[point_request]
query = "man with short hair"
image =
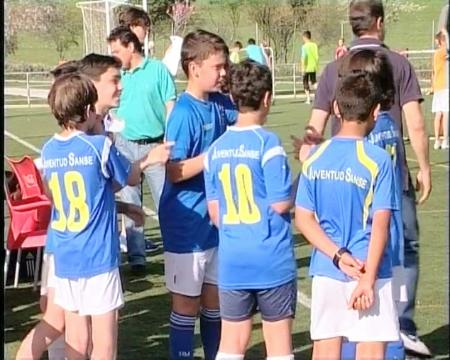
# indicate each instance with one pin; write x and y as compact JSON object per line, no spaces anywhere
{"x":255,"y":52}
{"x":147,"y":98}
{"x":367,"y":22}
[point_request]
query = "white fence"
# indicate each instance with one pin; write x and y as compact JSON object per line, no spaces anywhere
{"x":287,"y":80}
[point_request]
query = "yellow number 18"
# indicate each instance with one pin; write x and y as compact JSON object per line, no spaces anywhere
{"x":247,"y":211}
{"x":77,"y":202}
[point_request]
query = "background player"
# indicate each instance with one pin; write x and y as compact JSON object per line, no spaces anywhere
{"x":248,"y":182}
{"x":343,"y":207}
{"x":199,"y":117}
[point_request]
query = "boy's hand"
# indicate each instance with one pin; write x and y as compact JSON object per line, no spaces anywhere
{"x":363,"y":296}
{"x":159,"y":154}
{"x":351,"y":266}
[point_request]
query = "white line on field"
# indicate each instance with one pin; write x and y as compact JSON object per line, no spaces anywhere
{"x":445,"y":166}
{"x":432,"y":211}
{"x":303,"y":299}
{"x":22,"y":142}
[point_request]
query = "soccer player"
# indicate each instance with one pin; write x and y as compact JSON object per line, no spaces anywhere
{"x":386,"y":135}
{"x":83,"y":228}
{"x":344,"y":201}
{"x":147,"y":97}
{"x":248,"y":188}
{"x":200,"y":116}
{"x":309,"y":63}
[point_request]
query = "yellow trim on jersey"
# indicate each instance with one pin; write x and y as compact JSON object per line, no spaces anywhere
{"x":314,"y":157}
{"x":372,"y":166}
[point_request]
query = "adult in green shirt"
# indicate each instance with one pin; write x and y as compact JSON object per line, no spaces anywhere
{"x":148,"y":95}
{"x":310,"y":63}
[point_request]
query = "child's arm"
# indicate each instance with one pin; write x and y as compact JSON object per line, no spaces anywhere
{"x":307,"y":224}
{"x":185,"y":169}
{"x":157,"y":155}
{"x":363,"y":296}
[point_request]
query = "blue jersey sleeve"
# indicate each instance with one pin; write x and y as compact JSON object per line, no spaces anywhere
{"x":179,"y":130}
{"x":304,"y":197}
{"x":114,"y":165}
{"x":277,"y":175}
{"x":210,"y":184}
{"x":230,"y":111}
{"x":384,"y":188}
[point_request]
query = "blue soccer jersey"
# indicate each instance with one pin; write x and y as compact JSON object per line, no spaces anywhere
{"x":79,"y":171}
{"x":344,"y":181}
{"x":387,"y":136}
{"x":246,"y":170}
{"x":183,"y":216}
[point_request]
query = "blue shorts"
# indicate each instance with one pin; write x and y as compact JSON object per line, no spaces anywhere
{"x":275,"y":304}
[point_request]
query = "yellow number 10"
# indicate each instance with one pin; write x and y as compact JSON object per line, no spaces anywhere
{"x":77,"y":202}
{"x":247,"y":212}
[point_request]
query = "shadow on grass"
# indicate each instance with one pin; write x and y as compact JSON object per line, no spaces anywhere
{"x":438,"y":340}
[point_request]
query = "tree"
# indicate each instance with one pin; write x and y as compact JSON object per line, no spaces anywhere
{"x":233,"y":9}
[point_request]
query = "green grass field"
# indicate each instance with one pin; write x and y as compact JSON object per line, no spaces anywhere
{"x":144,"y":323}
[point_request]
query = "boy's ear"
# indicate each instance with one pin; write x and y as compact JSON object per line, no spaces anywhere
{"x":192,"y":68}
{"x":376,"y":111}
{"x":267,"y":99}
{"x":336,"y":109}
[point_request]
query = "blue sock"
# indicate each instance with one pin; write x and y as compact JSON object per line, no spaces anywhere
{"x":210,"y":332}
{"x":181,"y":336}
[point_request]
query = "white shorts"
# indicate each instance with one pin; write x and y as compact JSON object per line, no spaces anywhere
{"x":330,"y":316}
{"x":399,"y":284}
{"x":185,"y":274}
{"x":95,"y":295}
{"x":440,"y":101}
{"x":48,"y":273}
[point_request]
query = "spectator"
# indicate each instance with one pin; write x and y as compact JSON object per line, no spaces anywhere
{"x":309,"y":63}
{"x":341,"y":49}
{"x":367,"y":22}
{"x":255,"y":52}
{"x":237,"y":53}
{"x":146,"y":100}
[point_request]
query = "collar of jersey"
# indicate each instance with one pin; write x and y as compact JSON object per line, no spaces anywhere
{"x":141,"y":65}
{"x":244,"y":128}
{"x":366,"y":43}
{"x":65,"y":138}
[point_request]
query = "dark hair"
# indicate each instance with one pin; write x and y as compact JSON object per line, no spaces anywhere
{"x":69,"y":97}
{"x":249,"y":82}
{"x":238,"y":44}
{"x":363,"y":15}
{"x":375,"y":63}
{"x":67,"y":67}
{"x":357,"y":94}
{"x":251,"y":41}
{"x":133,"y":16}
{"x":125,"y":36}
{"x":307,"y":34}
{"x":94,"y":65}
{"x":199,"y":45}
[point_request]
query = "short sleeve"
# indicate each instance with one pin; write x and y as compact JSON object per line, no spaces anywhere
{"x":325,"y":92}
{"x":277,"y":174}
{"x":167,"y":84}
{"x":304,"y":197}
{"x":231,"y":112}
{"x":384,"y":189}
{"x":178,"y":130}
{"x":208,"y":174}
{"x":409,"y":89}
{"x":114,"y":165}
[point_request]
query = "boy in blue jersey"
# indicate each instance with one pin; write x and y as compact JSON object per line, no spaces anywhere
{"x":79,"y":171}
{"x":386,"y":135}
{"x":200,"y":116}
{"x":248,"y":188}
{"x":344,"y":201}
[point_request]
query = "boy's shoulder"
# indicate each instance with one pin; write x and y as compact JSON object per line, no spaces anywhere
{"x":374,"y":152}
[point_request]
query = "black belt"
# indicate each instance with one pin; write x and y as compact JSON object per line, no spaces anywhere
{"x":146,"y":141}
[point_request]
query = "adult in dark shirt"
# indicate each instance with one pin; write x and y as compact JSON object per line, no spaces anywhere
{"x":367,"y":22}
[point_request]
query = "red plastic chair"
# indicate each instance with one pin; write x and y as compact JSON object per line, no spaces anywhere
{"x":29,"y":210}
